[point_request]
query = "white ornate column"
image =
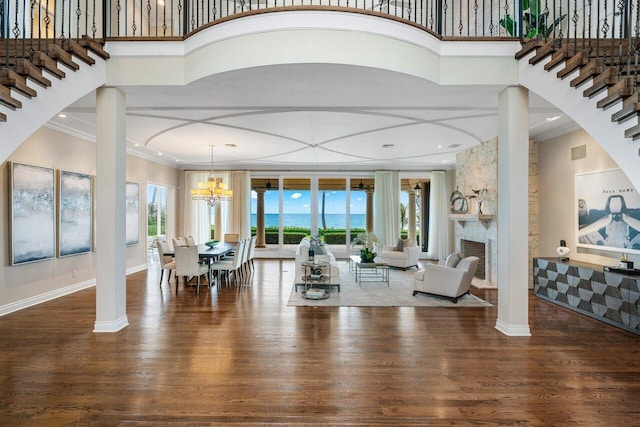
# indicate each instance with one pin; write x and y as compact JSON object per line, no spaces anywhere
{"x":111,"y":172}
{"x":513,"y":212}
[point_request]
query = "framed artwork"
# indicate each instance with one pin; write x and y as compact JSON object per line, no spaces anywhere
{"x":75,"y":213}
{"x":607,"y":212}
{"x":132,"y":201}
{"x":33,"y":213}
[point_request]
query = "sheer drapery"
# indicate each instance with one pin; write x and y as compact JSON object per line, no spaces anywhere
{"x":197,"y":221}
{"x":386,"y":216}
{"x":438,"y":217}
{"x":238,"y":219}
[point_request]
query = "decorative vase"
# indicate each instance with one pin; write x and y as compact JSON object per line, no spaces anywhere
{"x":366,"y":255}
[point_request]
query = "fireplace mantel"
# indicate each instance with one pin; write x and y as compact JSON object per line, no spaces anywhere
{"x":463,"y":218}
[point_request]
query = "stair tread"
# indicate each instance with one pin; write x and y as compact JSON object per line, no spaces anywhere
{"x":560,"y":55}
{"x":7,"y":100}
{"x":11,"y":79}
{"x":633,"y":132}
{"x":619,"y":91}
{"x":542,"y":52}
{"x":28,"y":69}
{"x":94,"y":46}
{"x":576,"y":61}
{"x":593,"y":68}
{"x":529,"y":46}
{"x":77,"y":50}
{"x":605,"y":79}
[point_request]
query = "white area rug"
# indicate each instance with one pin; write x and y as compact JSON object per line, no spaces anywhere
{"x":398,"y":294}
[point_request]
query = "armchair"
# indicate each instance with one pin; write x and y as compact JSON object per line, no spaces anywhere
{"x":406,"y":258}
{"x":446,"y":281}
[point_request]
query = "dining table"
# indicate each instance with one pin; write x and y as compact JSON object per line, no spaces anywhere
{"x":213,"y":252}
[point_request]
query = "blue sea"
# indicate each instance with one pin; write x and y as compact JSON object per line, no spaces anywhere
{"x":304,"y":220}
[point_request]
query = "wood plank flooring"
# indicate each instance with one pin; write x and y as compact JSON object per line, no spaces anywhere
{"x":244,"y":357}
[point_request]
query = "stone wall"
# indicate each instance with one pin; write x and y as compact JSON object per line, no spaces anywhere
{"x":478,"y":168}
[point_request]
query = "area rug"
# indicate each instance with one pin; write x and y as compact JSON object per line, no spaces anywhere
{"x":399,"y":293}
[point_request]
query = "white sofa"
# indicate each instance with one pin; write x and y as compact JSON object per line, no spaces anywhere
{"x":302,"y":254}
{"x":406,"y":258}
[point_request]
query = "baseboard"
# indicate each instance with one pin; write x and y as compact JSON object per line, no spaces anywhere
{"x":57,"y":293}
{"x":47,"y":296}
{"x":111,"y":325}
{"x":136,"y":268}
{"x":513,"y":330}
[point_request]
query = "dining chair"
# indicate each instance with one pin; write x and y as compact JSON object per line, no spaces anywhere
{"x":178,"y":241}
{"x":166,"y":262}
{"x":187,"y":265}
{"x":230,"y":266}
{"x":188,"y":241}
{"x":252,"y":252}
{"x":244,"y":262}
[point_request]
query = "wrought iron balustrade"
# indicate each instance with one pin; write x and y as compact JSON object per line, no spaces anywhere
{"x":606,"y":29}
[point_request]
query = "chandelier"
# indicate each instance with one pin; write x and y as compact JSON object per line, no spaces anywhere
{"x":213,"y":189}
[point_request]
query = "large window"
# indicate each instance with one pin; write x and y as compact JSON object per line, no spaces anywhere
{"x":332,"y":210}
{"x":156,"y":212}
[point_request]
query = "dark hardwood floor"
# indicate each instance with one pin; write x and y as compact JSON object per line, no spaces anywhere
{"x":229,"y":357}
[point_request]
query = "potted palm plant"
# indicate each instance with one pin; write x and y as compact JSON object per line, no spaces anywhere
{"x":535,"y":21}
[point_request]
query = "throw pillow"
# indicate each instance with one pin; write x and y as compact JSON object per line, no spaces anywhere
{"x":399,"y":245}
{"x":452,"y":260}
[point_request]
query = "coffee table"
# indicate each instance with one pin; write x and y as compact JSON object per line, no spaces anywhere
{"x":368,"y":272}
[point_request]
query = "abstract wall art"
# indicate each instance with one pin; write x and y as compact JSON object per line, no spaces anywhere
{"x":75,"y":213}
{"x":33,"y":213}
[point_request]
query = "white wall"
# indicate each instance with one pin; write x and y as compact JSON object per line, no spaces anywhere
{"x":27,"y":284}
{"x":557,"y":194}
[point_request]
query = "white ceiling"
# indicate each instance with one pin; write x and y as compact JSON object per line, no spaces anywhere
{"x":310,"y":116}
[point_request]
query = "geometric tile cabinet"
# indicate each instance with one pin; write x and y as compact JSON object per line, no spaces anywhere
{"x":588,"y":289}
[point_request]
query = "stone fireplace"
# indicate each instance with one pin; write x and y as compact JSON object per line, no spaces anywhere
{"x":478,"y":238}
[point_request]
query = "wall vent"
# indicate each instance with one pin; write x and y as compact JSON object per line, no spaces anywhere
{"x":579,"y":152}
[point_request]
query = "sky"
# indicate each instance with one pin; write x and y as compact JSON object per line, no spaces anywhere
{"x":298,"y":202}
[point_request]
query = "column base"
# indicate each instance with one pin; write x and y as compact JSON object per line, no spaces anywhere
{"x":111,"y":325}
{"x":513,"y":330}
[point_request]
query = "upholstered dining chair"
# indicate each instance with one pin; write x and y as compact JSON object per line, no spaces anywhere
{"x":166,"y":262}
{"x":178,"y":241}
{"x":252,"y":253}
{"x":188,"y":241}
{"x":231,"y":265}
{"x":187,"y":265}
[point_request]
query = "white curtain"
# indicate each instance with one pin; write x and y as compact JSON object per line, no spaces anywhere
{"x":197,"y":221}
{"x":386,"y":201}
{"x":438,"y":217}
{"x":238,"y":218}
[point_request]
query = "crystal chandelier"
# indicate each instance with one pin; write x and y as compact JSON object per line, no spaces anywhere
{"x":213,"y":189}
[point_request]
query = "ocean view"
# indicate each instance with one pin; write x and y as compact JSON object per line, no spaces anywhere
{"x":304,"y":220}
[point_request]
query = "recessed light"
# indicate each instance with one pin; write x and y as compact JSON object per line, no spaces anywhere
{"x":62,"y":116}
{"x":439,"y":146}
{"x":445,"y":161}
{"x":550,"y":119}
{"x":177,"y":160}
{"x":159,"y":154}
{"x":136,"y":145}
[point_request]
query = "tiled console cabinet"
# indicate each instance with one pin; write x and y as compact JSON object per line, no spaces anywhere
{"x":588,"y":289}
